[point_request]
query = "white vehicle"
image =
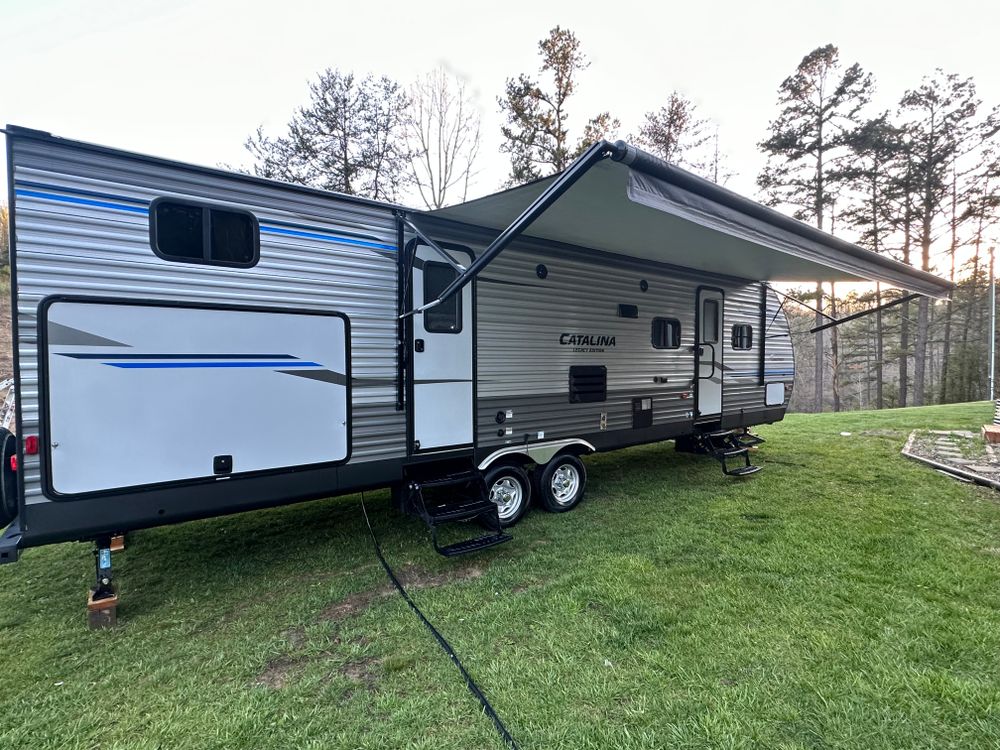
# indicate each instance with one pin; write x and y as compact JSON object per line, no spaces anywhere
{"x":479,"y":349}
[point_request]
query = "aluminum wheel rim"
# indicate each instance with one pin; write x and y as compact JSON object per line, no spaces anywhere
{"x":507,"y":494}
{"x":565,"y":483}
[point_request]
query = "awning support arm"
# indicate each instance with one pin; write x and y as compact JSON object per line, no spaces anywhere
{"x":595,"y":153}
{"x":459,"y":268}
{"x":863,"y":313}
{"x":790,"y":298}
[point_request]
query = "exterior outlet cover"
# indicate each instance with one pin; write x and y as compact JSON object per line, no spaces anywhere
{"x":541,"y":435}
{"x":510,"y":430}
{"x":510,"y":414}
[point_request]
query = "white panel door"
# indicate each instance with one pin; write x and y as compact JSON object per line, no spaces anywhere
{"x":442,"y":355}
{"x":708,"y":352}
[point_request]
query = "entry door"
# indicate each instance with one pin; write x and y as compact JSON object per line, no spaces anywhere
{"x":708,"y":353}
{"x":442,"y":354}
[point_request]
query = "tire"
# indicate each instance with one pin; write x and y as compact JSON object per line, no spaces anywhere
{"x":8,"y":478}
{"x":510,"y":488}
{"x":562,"y":483}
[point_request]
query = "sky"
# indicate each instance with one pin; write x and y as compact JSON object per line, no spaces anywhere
{"x":190,"y":80}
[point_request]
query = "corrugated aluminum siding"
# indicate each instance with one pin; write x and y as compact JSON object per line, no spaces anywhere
{"x":82,"y":228}
{"x":522,"y":366}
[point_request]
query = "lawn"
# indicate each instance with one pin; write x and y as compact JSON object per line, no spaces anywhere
{"x":844,"y":597}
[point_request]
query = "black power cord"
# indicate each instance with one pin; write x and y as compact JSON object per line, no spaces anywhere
{"x":445,"y":646}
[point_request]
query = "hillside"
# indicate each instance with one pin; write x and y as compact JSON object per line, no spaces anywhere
{"x":844,"y":597}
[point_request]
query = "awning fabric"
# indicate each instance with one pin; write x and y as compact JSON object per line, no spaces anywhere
{"x":642,"y":207}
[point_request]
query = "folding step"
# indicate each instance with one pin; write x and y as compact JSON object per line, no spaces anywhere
{"x":459,"y":511}
{"x":471,"y":503}
{"x":729,"y":444}
{"x":472,"y":545}
{"x":749,"y":440}
{"x":447,"y":480}
{"x":723,"y":453}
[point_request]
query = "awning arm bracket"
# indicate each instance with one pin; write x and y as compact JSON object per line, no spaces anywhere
{"x":595,"y":153}
{"x":863,"y":313}
{"x":459,"y":268}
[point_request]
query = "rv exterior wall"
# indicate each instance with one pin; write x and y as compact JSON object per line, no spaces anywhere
{"x":83,"y":229}
{"x":533,"y":326}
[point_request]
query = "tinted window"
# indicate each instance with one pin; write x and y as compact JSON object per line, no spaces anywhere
{"x":666,"y":333}
{"x":743,"y":336}
{"x":710,"y":321}
{"x":446,"y":317}
{"x":180,"y":230}
{"x":192,"y":233}
{"x":232,"y":237}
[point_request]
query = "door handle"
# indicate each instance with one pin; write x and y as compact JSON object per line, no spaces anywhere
{"x":701,"y":352}
{"x":418,"y":345}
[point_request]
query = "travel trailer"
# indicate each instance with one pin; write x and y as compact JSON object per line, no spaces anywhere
{"x":190,"y":342}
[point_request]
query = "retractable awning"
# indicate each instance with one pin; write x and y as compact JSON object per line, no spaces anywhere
{"x":621,"y":200}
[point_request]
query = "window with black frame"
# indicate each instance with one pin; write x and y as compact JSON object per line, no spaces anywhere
{"x":187,"y":232}
{"x":446,"y":317}
{"x":742,"y":336}
{"x":666,"y":333}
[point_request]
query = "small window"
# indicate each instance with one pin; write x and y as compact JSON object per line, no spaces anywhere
{"x":742,"y":336}
{"x":628,"y":311}
{"x":446,"y":317}
{"x":710,"y":321}
{"x":192,"y":233}
{"x":666,"y":333}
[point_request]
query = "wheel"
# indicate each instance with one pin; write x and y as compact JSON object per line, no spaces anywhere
{"x":561,"y":483}
{"x":509,"y":488}
{"x":8,"y":478}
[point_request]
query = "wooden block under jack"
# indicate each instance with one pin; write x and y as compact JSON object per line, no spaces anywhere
{"x":991,"y":433}
{"x":117,"y":543}
{"x":102,"y":613}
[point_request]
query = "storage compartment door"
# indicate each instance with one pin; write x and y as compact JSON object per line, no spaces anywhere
{"x":147,"y":394}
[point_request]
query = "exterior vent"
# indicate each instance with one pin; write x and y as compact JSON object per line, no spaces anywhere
{"x":588,"y":384}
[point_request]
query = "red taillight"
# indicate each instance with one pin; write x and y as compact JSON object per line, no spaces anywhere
{"x":13,"y":462}
{"x":31,"y":445}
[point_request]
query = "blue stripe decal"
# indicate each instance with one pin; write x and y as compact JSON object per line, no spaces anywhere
{"x":82,"y":201}
{"x":264,"y":228}
{"x":85,"y":193}
{"x":174,"y":365}
{"x":131,"y":355}
{"x":327,"y":237}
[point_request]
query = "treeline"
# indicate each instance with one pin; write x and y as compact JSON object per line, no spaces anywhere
{"x":918,"y":182}
{"x":376,"y":137}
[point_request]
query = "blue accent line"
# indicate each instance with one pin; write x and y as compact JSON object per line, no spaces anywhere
{"x":78,"y":191}
{"x":174,"y":365}
{"x":327,"y":237}
{"x":131,"y":355}
{"x":144,"y":210}
{"x":81,"y":201}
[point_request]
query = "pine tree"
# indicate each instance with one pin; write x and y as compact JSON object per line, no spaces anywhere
{"x":875,"y":150}
{"x":536,"y":129}
{"x":940,"y":113}
{"x":819,"y":102}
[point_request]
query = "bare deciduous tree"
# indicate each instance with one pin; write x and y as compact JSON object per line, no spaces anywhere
{"x":349,"y":138}
{"x":443,"y":132}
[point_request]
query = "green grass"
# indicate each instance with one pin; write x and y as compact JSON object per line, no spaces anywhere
{"x":844,"y":597}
